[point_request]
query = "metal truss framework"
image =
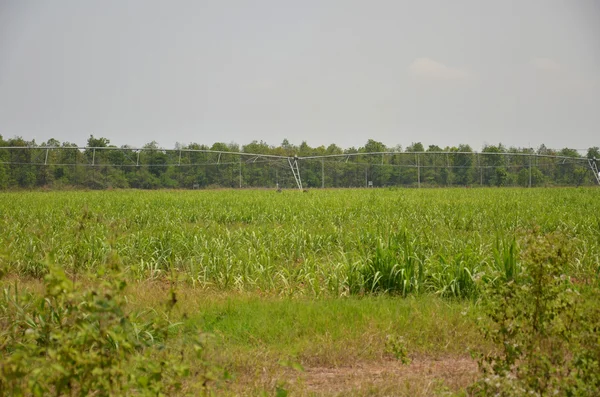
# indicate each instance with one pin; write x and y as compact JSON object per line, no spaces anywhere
{"x":131,"y":157}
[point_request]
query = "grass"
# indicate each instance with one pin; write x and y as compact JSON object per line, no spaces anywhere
{"x":266,"y":341}
{"x":325,"y":331}
{"x":331,"y":243}
{"x":342,"y":282}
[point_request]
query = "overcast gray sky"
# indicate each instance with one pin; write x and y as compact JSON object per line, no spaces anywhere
{"x":442,"y":72}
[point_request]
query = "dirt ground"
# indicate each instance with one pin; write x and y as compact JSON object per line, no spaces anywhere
{"x":422,"y":377}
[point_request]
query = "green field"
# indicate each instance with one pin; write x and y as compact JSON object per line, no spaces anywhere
{"x":317,"y":243}
{"x":343,"y":282}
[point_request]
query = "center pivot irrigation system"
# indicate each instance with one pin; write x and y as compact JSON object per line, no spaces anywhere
{"x":421,"y":163}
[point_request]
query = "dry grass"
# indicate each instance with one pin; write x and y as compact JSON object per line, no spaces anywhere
{"x":424,"y":376}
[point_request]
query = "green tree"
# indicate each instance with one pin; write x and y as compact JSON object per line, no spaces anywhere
{"x":333,"y":149}
{"x":415,"y":147}
{"x":492,"y":159}
{"x":21,"y":171}
{"x":501,"y":176}
{"x":288,"y":148}
{"x":3,"y":169}
{"x":3,"y":176}
{"x":566,"y":171}
{"x":537,"y":178}
{"x":373,"y":146}
{"x":94,"y":142}
{"x":462,"y":163}
{"x":593,"y":153}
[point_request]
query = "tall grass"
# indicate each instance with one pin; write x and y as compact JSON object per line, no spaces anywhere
{"x":330,"y":242}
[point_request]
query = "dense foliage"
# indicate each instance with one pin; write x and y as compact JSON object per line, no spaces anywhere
{"x":27,"y":165}
{"x":80,"y":340}
{"x":544,"y":324}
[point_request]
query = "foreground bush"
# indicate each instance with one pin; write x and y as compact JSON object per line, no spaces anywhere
{"x":81,"y":341}
{"x":545,"y":327}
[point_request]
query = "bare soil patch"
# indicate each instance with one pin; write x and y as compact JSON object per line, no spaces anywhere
{"x":422,"y":377}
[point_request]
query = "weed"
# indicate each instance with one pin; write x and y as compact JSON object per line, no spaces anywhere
{"x":82,"y":341}
{"x":396,"y":345}
{"x":536,"y":320}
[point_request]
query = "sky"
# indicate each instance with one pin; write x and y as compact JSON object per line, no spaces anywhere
{"x":477,"y":72}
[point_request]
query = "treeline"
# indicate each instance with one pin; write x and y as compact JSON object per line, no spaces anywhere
{"x":30,"y":165}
